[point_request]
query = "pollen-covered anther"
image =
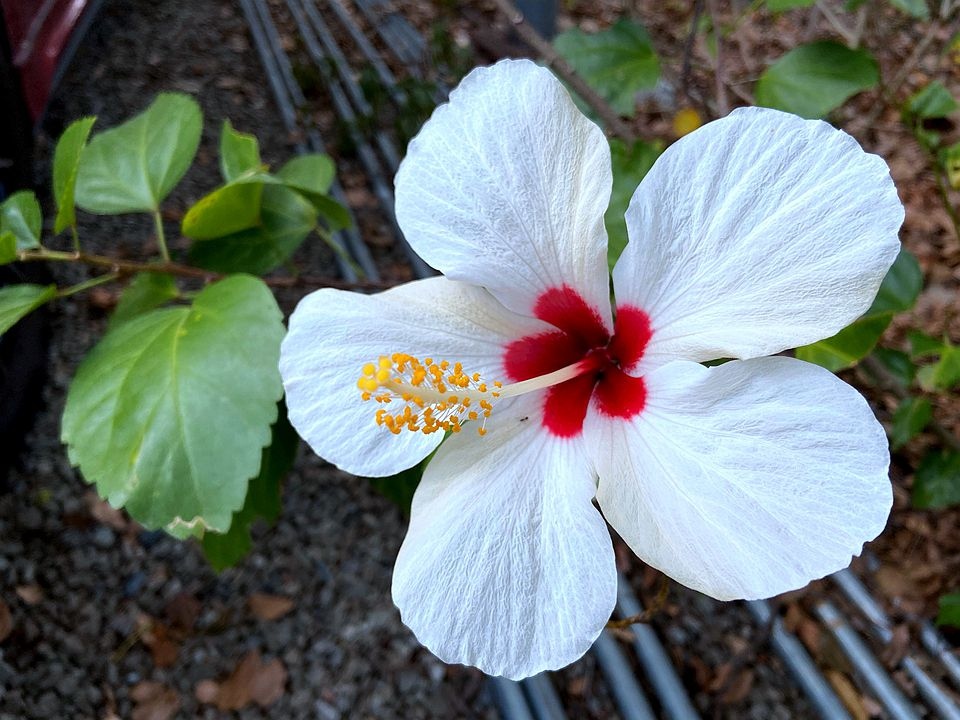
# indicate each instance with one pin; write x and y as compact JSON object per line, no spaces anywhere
{"x":435,"y":395}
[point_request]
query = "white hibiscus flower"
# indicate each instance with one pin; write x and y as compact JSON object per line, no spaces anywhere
{"x":756,"y":233}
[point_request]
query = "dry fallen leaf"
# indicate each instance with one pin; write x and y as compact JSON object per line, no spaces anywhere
{"x":6,"y":621}
{"x":165,"y":653}
{"x":738,"y":688}
{"x":269,"y":683}
{"x":154,"y":701}
{"x":269,"y":607}
{"x":252,"y":680}
{"x":30,"y":594}
{"x":183,"y":611}
{"x":848,"y":694}
{"x":206,"y":692}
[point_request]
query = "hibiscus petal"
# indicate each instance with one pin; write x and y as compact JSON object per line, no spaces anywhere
{"x":744,"y":480}
{"x":506,"y":186}
{"x":507,"y":564}
{"x":334,"y":333}
{"x":757,"y":233}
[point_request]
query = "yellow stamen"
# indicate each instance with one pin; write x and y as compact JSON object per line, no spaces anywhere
{"x":424,"y":389}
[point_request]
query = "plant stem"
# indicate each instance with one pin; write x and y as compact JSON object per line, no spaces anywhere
{"x":340,"y":250}
{"x":87,"y":284}
{"x":128,"y":267}
{"x":76,"y":238}
{"x":566,"y":71}
{"x":161,"y":238}
{"x":647,"y":615}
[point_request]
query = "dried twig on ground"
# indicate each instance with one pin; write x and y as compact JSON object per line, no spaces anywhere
{"x":559,"y":65}
{"x":720,"y":85}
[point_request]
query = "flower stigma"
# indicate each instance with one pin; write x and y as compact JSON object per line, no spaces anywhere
{"x":440,"y":395}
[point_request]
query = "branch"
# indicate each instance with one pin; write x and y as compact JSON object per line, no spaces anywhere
{"x":128,"y":267}
{"x":566,"y":71}
{"x":647,"y":615}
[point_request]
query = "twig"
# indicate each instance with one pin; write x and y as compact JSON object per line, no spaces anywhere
{"x":811,"y":28}
{"x":888,"y":382}
{"x":688,"y":49}
{"x":849,"y":36}
{"x":918,"y":52}
{"x":723,"y":104}
{"x":861,"y":24}
{"x":128,"y":267}
{"x":556,"y":61}
{"x":891,"y":90}
{"x":656,"y":606}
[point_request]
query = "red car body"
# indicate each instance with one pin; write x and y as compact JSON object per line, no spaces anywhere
{"x":39,"y":34}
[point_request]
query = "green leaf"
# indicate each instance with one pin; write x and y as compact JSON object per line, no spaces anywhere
{"x":848,"y":346}
{"x":66,"y":161}
{"x":617,"y":63}
{"x":134,"y":166}
{"x":949,"y":158}
{"x":224,"y":550}
{"x":239,"y":153}
{"x":286,"y":220}
{"x":937,"y":482}
{"x":943,"y":374}
{"x":334,"y":215}
{"x":784,"y":5}
{"x":21,"y":217}
{"x":922,"y":345}
{"x":169,"y":413}
{"x":312,"y":174}
{"x":630,"y":164}
{"x":933,"y":100}
{"x":910,"y":418}
{"x":812,"y":80}
{"x":949,"y":613}
{"x":900,"y":287}
{"x":898,"y":292}
{"x":897,"y":364}
{"x":147,"y":292}
{"x":8,"y":248}
{"x":227,"y":210}
{"x":914,"y":8}
{"x":17,"y":301}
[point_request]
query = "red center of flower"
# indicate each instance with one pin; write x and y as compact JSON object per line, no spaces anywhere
{"x":581,"y":335}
